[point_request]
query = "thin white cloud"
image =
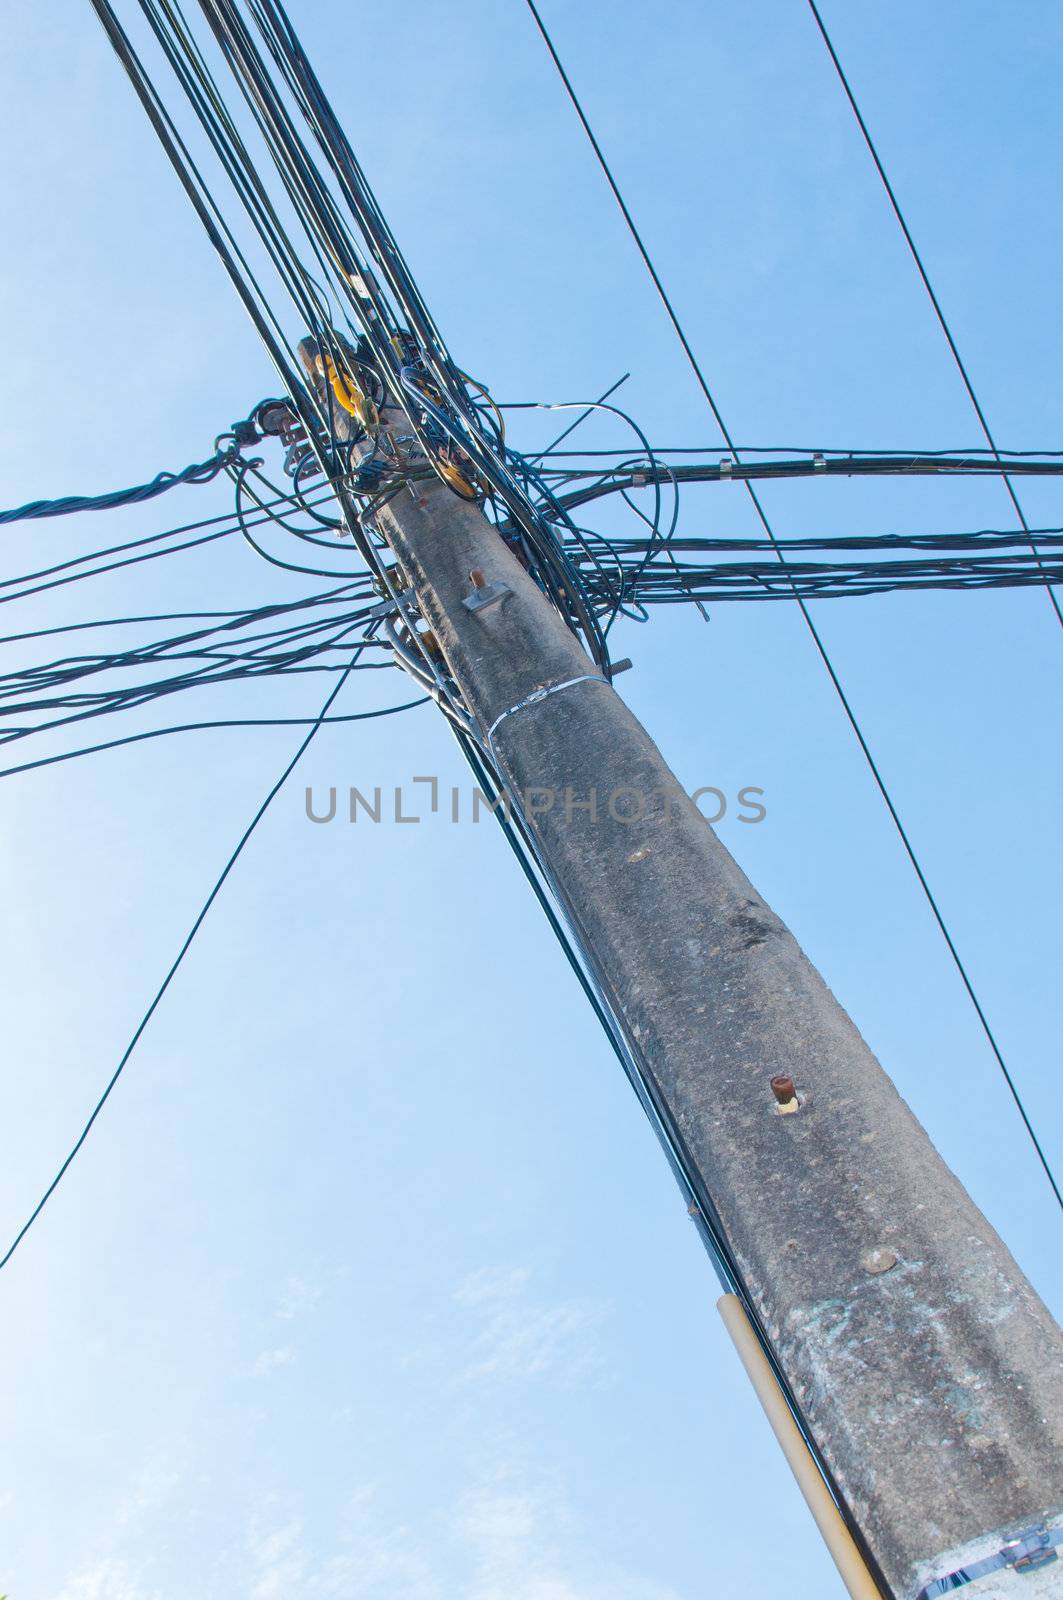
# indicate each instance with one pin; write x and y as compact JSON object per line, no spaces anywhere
{"x":503,"y":1540}
{"x":491,"y":1284}
{"x":386,"y":1567}
{"x":270,"y":1360}
{"x":152,"y":1487}
{"x":298,"y":1298}
{"x":279,"y":1562}
{"x":521,"y":1544}
{"x":376,"y":1562}
{"x":107,"y":1580}
{"x":522,"y":1337}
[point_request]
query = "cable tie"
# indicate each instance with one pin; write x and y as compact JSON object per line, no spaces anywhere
{"x":536,"y":695}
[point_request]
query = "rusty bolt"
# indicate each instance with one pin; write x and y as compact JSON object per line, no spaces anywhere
{"x":782,"y":1087}
{"x":478,"y":579}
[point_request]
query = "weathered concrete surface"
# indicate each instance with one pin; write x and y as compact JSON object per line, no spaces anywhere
{"x":934,"y":1388}
{"x":1038,"y":1583}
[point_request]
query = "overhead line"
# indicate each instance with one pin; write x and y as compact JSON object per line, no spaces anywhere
{"x":198,"y":727}
{"x":198,"y":472}
{"x":584,"y":414}
{"x":175,"y":964}
{"x":813,"y":631}
{"x":928,"y":286}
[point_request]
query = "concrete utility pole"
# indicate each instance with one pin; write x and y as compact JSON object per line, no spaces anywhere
{"x":929,"y":1372}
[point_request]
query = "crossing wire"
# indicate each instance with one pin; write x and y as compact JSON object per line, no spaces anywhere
{"x":171,"y":973}
{"x":480,"y":448}
{"x":814,"y":633}
{"x":198,"y":472}
{"x":928,"y":286}
{"x":200,"y":727}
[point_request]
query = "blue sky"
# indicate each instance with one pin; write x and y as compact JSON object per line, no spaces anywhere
{"x":372,"y":1282}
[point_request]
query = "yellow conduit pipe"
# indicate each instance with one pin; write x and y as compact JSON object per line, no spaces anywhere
{"x":839,"y":1541}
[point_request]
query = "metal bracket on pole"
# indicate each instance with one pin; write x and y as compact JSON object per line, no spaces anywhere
{"x":1037,"y":1547}
{"x":484,"y":594}
{"x":490,"y":595}
{"x":389,"y":608}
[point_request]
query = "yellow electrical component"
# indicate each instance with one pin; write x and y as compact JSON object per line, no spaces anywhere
{"x":454,"y":478}
{"x":452,"y":475}
{"x":350,"y":396}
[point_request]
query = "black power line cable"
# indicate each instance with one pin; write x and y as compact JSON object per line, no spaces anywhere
{"x":443,"y":405}
{"x":429,"y":378}
{"x":175,"y":964}
{"x":927,"y":285}
{"x":199,"y":727}
{"x":795,"y":449}
{"x":584,"y":414}
{"x":813,"y":630}
{"x":199,"y":472}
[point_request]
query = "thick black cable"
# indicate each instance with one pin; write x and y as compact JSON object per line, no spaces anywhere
{"x":734,"y":469}
{"x":294,"y":169}
{"x":200,"y":472}
{"x":224,"y":670}
{"x":198,"y":727}
{"x":227,"y":521}
{"x":792,"y":449}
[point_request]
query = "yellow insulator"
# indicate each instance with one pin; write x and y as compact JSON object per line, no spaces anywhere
{"x":455,"y":478}
{"x":351,"y":397}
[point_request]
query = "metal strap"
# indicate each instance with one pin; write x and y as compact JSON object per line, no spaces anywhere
{"x":1032,"y":1549}
{"x":542,"y":694}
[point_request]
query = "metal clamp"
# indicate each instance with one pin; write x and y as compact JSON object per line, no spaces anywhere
{"x":389,"y":607}
{"x":490,"y":595}
{"x":1029,"y":1551}
{"x":484,"y":594}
